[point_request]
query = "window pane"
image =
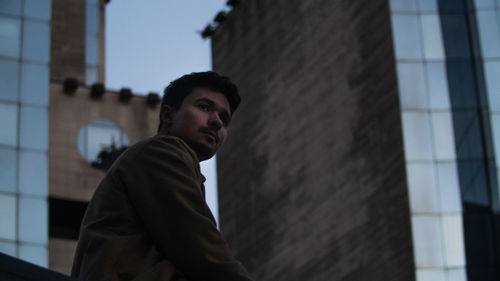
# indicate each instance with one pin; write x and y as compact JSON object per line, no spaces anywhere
{"x":33,"y":173}
{"x":92,"y":19}
{"x":453,"y":240}
{"x":35,"y":84}
{"x":433,"y":40}
{"x":8,"y":167}
{"x":422,"y":188}
{"x":9,"y":78}
{"x":428,"y":5}
{"x":33,"y":220}
{"x":488,"y":32}
{"x":36,"y":41}
{"x":495,"y":124}
{"x":34,"y":254}
{"x":403,"y":5}
{"x":10,"y":30}
{"x":492,"y":69}
{"x":8,"y":124}
{"x":38,"y":9}
{"x":484,"y":4}
{"x":449,"y":188}
{"x":91,"y":50}
{"x":8,"y":248}
{"x":34,"y":127}
{"x":406,"y":37}
{"x":428,"y":241}
{"x":431,"y":274}
{"x":456,"y":274}
{"x":8,"y":216}
{"x":444,"y":138}
{"x":455,"y":33}
{"x":97,"y":135}
{"x":417,"y":136}
{"x":412,"y":87}
{"x":11,"y":7}
{"x":90,"y":75}
{"x":438,"y":85}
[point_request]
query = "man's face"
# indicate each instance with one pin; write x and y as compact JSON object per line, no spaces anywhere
{"x":202,"y":121}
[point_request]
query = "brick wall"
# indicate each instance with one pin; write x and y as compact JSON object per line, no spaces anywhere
{"x":312,"y":182}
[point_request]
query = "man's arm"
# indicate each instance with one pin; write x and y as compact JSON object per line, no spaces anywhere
{"x":164,"y":188}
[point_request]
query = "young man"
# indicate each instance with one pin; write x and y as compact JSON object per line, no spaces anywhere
{"x":148,"y":219}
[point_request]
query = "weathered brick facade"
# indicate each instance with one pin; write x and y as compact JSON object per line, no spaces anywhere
{"x":312,"y":182}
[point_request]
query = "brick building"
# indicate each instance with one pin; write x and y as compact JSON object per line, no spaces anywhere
{"x":367,"y":143}
{"x":58,"y":123}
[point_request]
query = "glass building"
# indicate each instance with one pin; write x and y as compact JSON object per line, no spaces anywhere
{"x":448,"y":65}
{"x":24,"y":100}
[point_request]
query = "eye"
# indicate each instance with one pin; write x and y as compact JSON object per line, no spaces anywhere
{"x":203,"y":107}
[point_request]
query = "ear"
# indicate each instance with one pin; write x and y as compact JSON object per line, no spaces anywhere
{"x":167,"y":115}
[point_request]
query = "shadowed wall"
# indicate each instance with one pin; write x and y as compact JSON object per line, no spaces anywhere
{"x":312,"y":182}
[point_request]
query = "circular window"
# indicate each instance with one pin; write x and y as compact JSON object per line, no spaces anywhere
{"x":101,"y":141}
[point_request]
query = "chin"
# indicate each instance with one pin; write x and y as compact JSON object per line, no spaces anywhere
{"x":203,"y":151}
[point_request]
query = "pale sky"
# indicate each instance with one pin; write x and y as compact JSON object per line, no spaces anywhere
{"x":152,"y":42}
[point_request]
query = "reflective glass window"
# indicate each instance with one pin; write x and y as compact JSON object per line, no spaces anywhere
{"x":34,"y":254}
{"x":403,"y":5}
{"x":11,"y":7}
{"x":407,"y":37}
{"x":474,"y":189}
{"x":99,"y":135}
{"x":91,"y":50}
{"x":456,"y":274}
{"x":38,"y":9}
{"x":489,"y":34}
{"x":484,"y":3}
{"x":34,"y":127}
{"x":8,"y":124}
{"x":449,"y":188}
{"x":492,"y":69}
{"x":9,"y":78}
{"x":431,"y":274}
{"x":35,"y":84}
{"x":433,"y":40}
{"x":453,"y":240}
{"x":444,"y":138}
{"x":495,"y":124}
{"x":455,"y":34}
{"x":417,"y":136}
{"x":90,"y":75}
{"x":422,"y":188}
{"x":8,"y":216}
{"x":33,"y":220}
{"x":468,"y":134}
{"x":461,"y":84}
{"x":437,"y":81}
{"x":8,"y":248}
{"x":36,"y":41}
{"x":10,"y":35}
{"x":412,"y":88}
{"x":428,"y":5}
{"x":8,"y":168}
{"x":427,"y":241}
{"x":92,"y":19}
{"x":33,"y":173}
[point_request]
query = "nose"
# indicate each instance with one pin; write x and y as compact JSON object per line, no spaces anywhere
{"x":214,"y":121}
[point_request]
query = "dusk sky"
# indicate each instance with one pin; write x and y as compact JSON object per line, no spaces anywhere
{"x":152,"y":42}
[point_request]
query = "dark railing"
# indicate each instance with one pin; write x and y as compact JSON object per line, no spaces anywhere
{"x":12,"y":269}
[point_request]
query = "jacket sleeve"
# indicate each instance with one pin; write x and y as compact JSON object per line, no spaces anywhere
{"x":163,"y":184}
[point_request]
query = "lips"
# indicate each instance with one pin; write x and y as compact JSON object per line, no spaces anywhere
{"x":211,"y":133}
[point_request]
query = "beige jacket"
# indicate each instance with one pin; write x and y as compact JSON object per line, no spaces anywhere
{"x":148,"y":220}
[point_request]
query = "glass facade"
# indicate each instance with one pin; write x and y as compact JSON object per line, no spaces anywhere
{"x":92,"y":42}
{"x":24,"y":98}
{"x":448,"y":63}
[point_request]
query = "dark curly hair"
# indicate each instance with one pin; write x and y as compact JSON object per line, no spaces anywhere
{"x":178,"y":89}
